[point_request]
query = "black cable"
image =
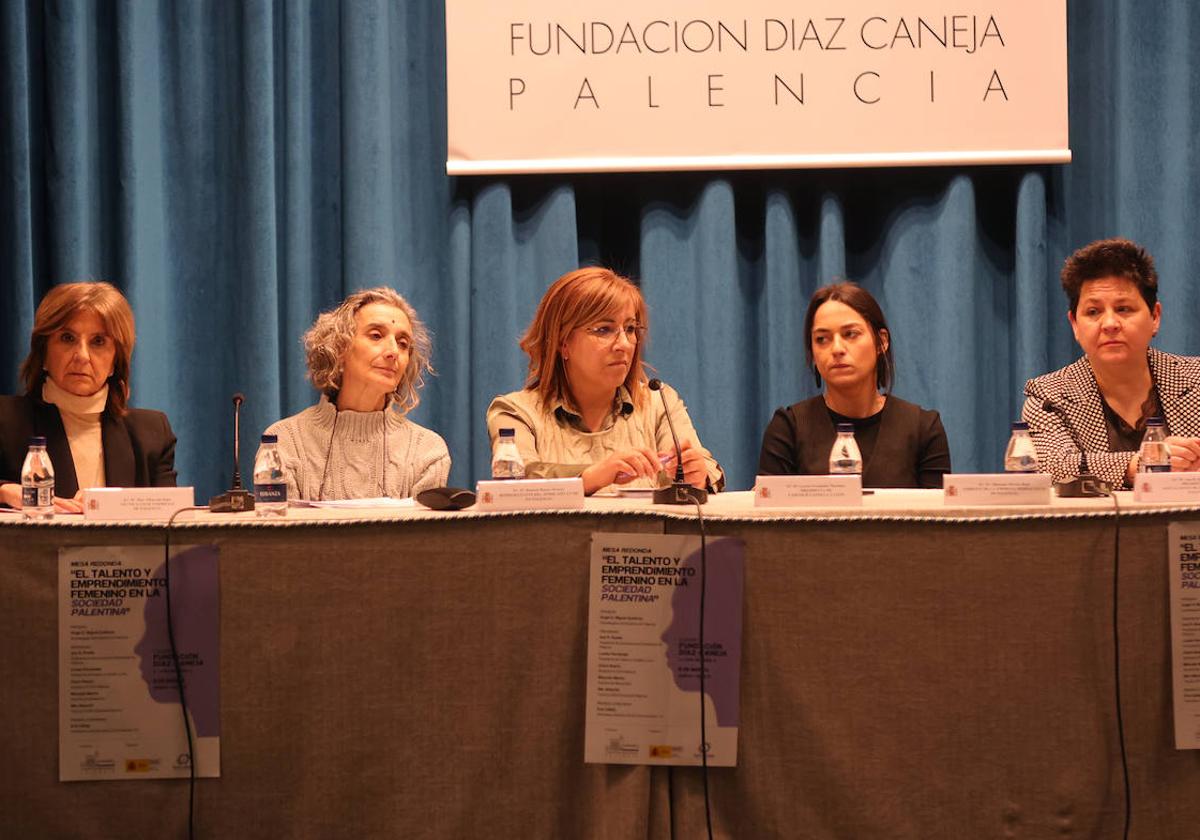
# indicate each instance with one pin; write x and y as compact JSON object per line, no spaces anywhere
{"x":385,"y":494}
{"x":671,"y":800}
{"x":328,"y":452}
{"x":703,"y":726}
{"x":187,"y":726}
{"x":1116,"y":629}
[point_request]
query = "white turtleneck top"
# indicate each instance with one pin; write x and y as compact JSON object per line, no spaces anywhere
{"x":416,"y":458}
{"x":81,"y":421}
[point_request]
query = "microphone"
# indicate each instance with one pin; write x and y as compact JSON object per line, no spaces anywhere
{"x":237,"y":498}
{"x":1086,"y":485}
{"x":680,"y":492}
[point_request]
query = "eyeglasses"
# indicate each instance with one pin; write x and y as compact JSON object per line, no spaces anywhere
{"x":607,"y":333}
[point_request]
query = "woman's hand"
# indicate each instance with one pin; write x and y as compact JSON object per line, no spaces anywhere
{"x":1185,"y":453}
{"x":10,"y":494}
{"x":621,"y":468}
{"x":695,"y":468}
{"x":72,"y":505}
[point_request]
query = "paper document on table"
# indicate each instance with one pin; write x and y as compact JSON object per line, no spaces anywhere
{"x":354,"y":504}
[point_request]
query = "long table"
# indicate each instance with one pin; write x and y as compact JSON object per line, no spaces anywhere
{"x":910,"y":670}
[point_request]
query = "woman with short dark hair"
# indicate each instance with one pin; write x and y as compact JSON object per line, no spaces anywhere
{"x":1100,"y":403}
{"x":76,"y":380}
{"x":849,"y":348}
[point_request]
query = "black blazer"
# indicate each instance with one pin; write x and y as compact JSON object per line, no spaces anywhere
{"x":911,"y":449}
{"x":139,"y":448}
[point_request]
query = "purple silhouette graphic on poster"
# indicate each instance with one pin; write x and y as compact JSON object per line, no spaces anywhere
{"x":722,"y":628}
{"x":194,"y":608}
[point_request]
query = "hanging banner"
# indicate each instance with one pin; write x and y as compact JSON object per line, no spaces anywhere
{"x":540,"y":86}
{"x":644,"y":692}
{"x":1183,"y":569}
{"x":118,"y":697}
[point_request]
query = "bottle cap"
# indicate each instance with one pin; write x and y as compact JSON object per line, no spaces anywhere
{"x":845,"y":428}
{"x":1155,"y":421}
{"x":508,"y":433}
{"x":270,"y":438}
{"x":37,"y":440}
{"x":1020,"y":426}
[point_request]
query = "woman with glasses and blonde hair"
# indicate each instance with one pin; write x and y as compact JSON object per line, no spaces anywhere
{"x":586,"y":409}
{"x":367,"y":357}
{"x":76,"y":379}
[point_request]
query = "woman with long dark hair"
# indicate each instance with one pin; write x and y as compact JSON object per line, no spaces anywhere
{"x":850,"y":352}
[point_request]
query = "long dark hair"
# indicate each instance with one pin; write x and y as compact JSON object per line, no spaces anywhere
{"x":862,"y":302}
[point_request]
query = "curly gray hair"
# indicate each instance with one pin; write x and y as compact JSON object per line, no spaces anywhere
{"x":328,"y":339}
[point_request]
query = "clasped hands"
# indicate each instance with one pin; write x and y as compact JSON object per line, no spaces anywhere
{"x":627,"y":465}
{"x":1185,"y":453}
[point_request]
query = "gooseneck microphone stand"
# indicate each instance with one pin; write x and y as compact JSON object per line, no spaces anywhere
{"x":237,"y":498}
{"x":679,"y":492}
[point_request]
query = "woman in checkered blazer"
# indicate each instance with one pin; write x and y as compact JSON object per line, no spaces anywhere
{"x":1100,"y":403}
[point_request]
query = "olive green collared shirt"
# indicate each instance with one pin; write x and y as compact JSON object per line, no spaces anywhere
{"x":555,"y":444}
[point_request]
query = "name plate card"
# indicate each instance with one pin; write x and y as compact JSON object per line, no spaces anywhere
{"x":779,"y":491}
{"x":530,"y":494}
{"x":124,"y":504}
{"x":996,"y":489}
{"x":1167,"y":487}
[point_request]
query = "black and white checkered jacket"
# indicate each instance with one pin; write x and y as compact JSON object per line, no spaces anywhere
{"x":1065,"y":415}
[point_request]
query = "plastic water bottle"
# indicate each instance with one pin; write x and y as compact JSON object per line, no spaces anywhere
{"x":270,"y":482}
{"x":506,"y":460}
{"x":844,"y":457}
{"x":1020,"y":456}
{"x":37,"y":481}
{"x":1155,"y":455}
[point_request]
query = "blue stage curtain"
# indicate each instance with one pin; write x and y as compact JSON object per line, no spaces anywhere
{"x":236,"y":167}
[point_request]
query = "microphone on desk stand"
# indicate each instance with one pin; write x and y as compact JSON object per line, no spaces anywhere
{"x":237,"y":498}
{"x":1086,"y":485}
{"x":680,"y":492}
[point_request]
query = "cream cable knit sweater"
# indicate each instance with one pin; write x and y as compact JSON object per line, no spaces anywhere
{"x":417,"y":458}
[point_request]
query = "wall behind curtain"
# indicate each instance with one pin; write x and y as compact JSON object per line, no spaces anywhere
{"x":237,"y":166}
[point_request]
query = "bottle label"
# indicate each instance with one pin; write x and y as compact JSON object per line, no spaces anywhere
{"x":844,"y":465}
{"x":268,"y":493}
{"x":37,"y":497}
{"x":1021,"y":464}
{"x":1155,"y":467}
{"x":504,"y":470}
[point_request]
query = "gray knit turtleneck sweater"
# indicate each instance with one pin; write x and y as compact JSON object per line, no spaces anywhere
{"x":417,"y":458}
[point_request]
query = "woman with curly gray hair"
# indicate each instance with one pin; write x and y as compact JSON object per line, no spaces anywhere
{"x":368,"y":358}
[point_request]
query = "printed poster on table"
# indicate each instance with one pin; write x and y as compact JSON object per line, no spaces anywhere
{"x":643,"y":670}
{"x":1183,"y":562}
{"x":118,"y":699}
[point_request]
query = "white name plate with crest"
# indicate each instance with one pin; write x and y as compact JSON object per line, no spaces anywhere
{"x":808,"y":491}
{"x":530,"y":494}
{"x":996,"y":489}
{"x":124,"y":504}
{"x":1167,"y":487}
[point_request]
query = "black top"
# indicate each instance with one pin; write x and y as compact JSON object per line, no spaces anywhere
{"x":903,"y":445}
{"x":139,"y":448}
{"x":1123,"y":437}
